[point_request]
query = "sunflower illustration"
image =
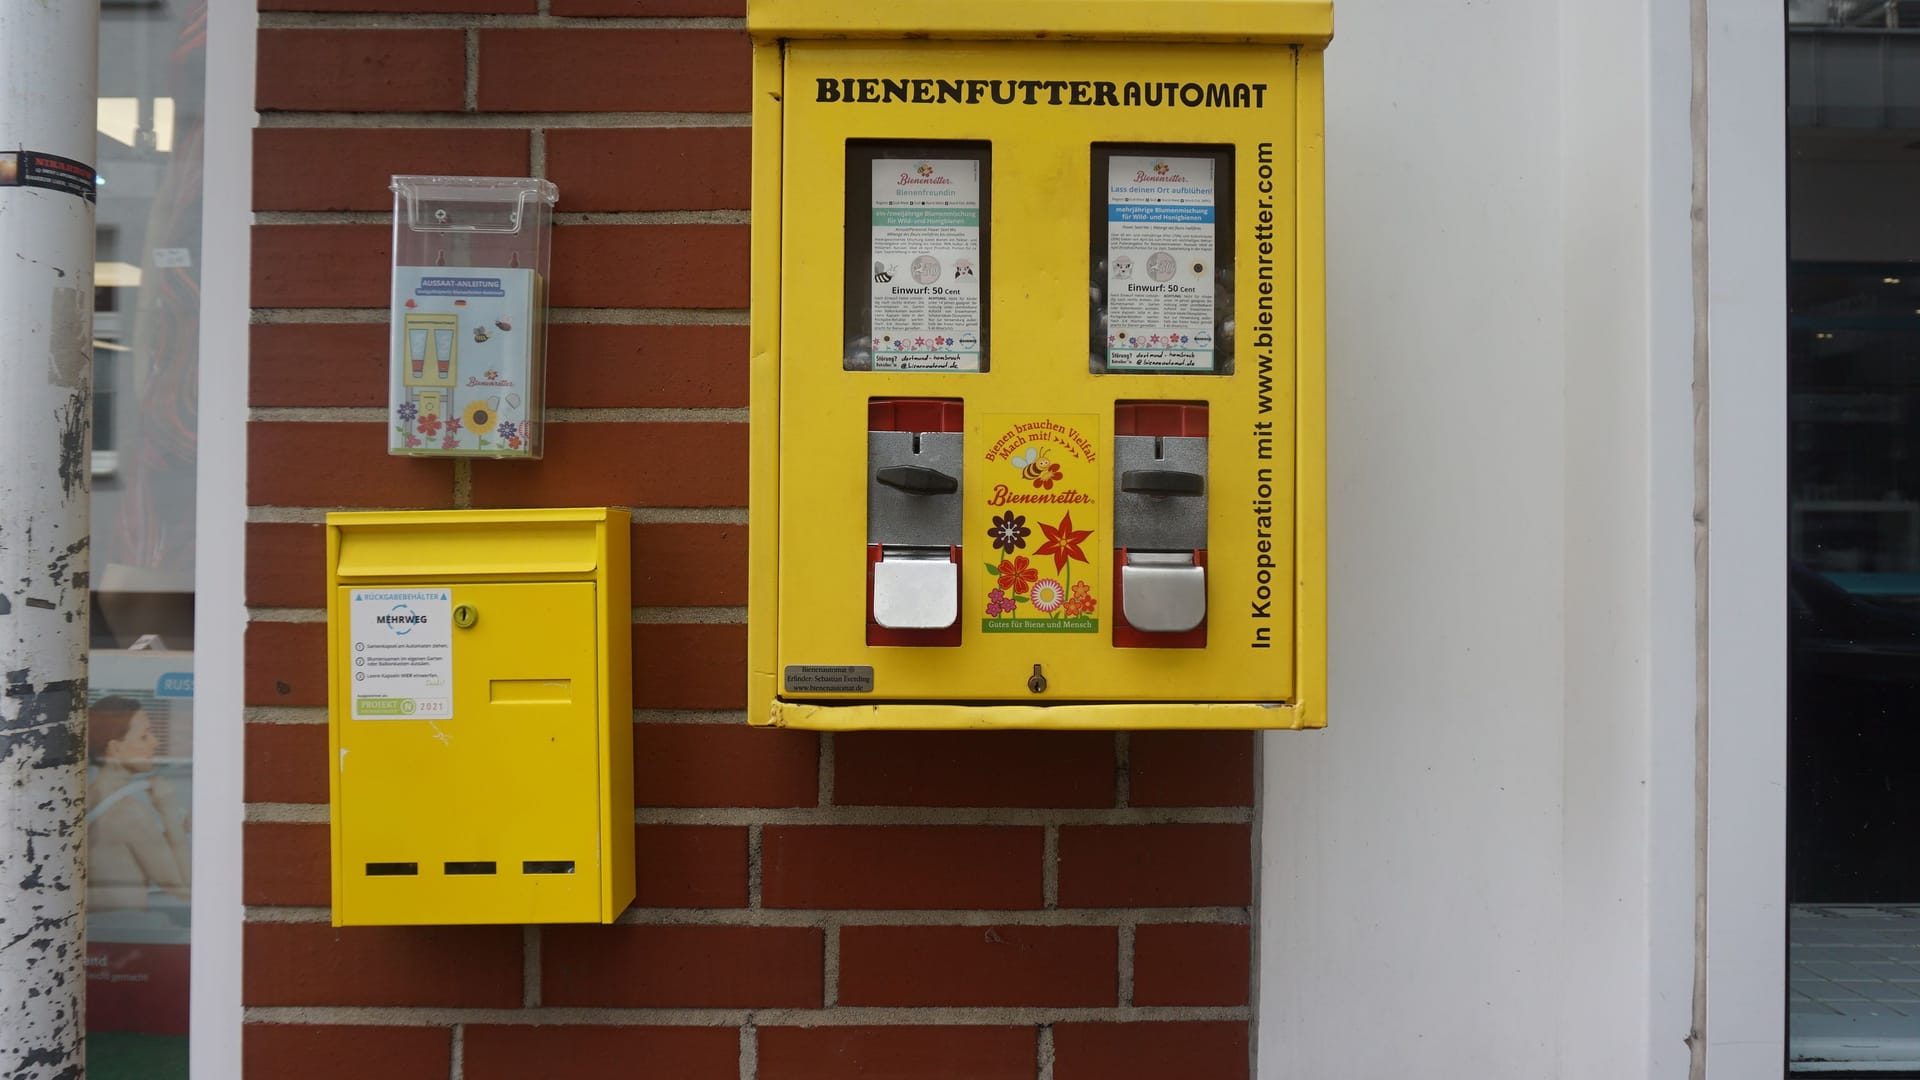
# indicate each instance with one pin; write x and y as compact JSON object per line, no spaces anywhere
{"x":480,"y":417}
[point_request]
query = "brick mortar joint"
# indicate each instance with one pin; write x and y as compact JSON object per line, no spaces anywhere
{"x":530,"y":966}
{"x":749,"y":1049}
{"x":830,"y":921}
{"x":365,"y":20}
{"x":470,"y":84}
{"x":834,"y":817}
{"x":757,"y":1017}
{"x":835,"y":919}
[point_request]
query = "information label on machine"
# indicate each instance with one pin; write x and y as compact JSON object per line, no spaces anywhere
{"x":400,"y":653}
{"x":926,"y":251}
{"x":1160,"y":269}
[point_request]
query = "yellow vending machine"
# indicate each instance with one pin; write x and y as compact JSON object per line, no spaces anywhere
{"x":1038,"y":365}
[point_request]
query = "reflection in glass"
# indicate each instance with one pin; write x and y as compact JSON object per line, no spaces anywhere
{"x":1853,"y":525}
{"x":140,"y":741}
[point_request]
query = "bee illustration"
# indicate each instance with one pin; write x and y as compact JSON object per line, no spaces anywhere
{"x":1035,"y":468}
{"x":1123,"y":267}
{"x":480,"y":334}
{"x":962,"y":268}
{"x":882,"y":273}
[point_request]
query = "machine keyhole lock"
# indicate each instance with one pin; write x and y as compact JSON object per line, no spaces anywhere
{"x":1037,"y":682}
{"x":465,"y":615}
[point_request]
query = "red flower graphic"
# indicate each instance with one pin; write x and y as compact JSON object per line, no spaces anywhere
{"x":1063,"y":542}
{"x":1016,"y":576}
{"x":429,"y":424}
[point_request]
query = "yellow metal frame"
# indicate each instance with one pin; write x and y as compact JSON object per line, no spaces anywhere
{"x":1141,"y":689}
{"x":552,"y":591}
{"x":1264,"y":22}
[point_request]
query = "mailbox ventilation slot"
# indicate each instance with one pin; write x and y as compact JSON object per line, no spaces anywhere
{"x":393,"y":869}
{"x":461,"y":868}
{"x":551,"y":866}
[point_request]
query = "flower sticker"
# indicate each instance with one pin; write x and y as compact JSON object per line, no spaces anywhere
{"x":429,"y":424}
{"x":1015,"y":575}
{"x":480,"y":417}
{"x":1048,"y":595}
{"x":1083,"y":596}
{"x":1009,"y":532}
{"x":1022,"y":594}
{"x":407,"y":411}
{"x":1063,"y":542}
{"x":1080,"y":601}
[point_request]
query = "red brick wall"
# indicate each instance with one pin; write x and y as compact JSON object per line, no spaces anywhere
{"x":1031,"y":905}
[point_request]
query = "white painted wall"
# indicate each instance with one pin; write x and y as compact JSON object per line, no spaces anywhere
{"x":1412,"y":853}
{"x":1485,"y":866}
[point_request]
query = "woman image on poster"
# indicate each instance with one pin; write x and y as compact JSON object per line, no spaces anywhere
{"x":136,"y":827}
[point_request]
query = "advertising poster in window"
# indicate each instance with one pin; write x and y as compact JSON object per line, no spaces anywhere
{"x":926,"y":261}
{"x":1160,"y":263}
{"x":139,"y":850}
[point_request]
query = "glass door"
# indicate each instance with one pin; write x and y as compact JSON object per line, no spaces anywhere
{"x":1853,"y":509}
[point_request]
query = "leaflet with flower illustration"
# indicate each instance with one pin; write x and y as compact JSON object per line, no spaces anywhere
{"x":467,"y":366}
{"x":1160,"y":263}
{"x":926,"y":256}
{"x":1041,"y":494}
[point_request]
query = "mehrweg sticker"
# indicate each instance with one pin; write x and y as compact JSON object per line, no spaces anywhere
{"x":400,"y":653}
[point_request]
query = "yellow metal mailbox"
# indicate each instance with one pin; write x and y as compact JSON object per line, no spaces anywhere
{"x":1038,"y":364}
{"x":480,"y":716}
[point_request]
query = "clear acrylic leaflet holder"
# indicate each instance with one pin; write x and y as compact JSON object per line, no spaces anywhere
{"x":469,"y":322}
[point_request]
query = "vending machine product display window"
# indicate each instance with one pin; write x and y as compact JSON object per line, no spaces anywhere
{"x":1161,"y":293}
{"x":918,"y":235}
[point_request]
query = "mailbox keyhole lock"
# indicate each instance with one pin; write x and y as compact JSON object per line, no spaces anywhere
{"x":464,"y":616}
{"x":1037,"y":682}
